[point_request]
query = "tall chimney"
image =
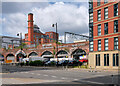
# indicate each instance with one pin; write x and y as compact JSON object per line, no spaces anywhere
{"x":30,"y":28}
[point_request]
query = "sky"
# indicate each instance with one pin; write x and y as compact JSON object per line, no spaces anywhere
{"x":70,"y":17}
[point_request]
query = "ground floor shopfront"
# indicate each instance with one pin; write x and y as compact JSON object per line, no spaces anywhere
{"x":104,"y":60}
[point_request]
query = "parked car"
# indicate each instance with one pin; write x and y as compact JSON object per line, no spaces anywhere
{"x":74,"y":63}
{"x":50,"y":63}
{"x":83,"y":60}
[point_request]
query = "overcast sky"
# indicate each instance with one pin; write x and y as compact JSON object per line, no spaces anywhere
{"x":70,"y":16}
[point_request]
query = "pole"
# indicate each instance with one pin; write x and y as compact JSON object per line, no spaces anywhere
{"x":56,"y":45}
{"x":65,"y":37}
{"x":21,"y":40}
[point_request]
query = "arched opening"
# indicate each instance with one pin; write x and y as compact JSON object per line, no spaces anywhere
{"x":33,"y":54}
{"x":47,"y":55}
{"x":10,"y":58}
{"x":20,"y":55}
{"x":62,"y":54}
{"x":78,"y":54}
{"x":1,"y":58}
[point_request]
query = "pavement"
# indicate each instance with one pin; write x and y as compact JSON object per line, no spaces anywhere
{"x":15,"y":75}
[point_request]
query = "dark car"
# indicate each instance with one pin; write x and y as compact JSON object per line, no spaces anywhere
{"x":74,"y":63}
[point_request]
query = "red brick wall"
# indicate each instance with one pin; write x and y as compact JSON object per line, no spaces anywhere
{"x":95,"y":45}
{"x":102,"y":45}
{"x":119,"y":42}
{"x":110,"y":11}
{"x":95,"y":16}
{"x":94,"y":3}
{"x":119,"y":9}
{"x":102,"y":29}
{"x":30,"y":28}
{"x":102,"y":14}
{"x":111,"y":44}
{"x":111,"y":27}
{"x":95,"y":31}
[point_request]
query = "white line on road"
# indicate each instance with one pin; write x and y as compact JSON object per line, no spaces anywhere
{"x":91,"y":82}
{"x":32,"y":73}
{"x":38,"y":74}
{"x":54,"y":76}
{"x":45,"y":75}
{"x":76,"y":79}
{"x":26,"y":72}
{"x":63,"y":78}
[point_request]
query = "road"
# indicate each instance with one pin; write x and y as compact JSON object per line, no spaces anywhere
{"x":52,"y":75}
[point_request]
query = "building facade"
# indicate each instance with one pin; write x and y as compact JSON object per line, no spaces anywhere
{"x":104,"y":31}
{"x":35,"y":36}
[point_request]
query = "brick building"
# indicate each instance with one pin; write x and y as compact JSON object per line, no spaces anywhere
{"x":104,"y":31}
{"x":35,"y":36}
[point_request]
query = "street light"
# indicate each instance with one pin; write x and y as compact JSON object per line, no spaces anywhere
{"x":20,"y":34}
{"x":56,"y":41}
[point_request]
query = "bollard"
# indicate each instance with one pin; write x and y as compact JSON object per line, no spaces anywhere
{"x":90,"y":69}
{"x":112,"y":79}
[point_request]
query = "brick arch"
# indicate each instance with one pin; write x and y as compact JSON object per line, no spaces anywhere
{"x":45,"y":51}
{"x":78,"y":48}
{"x":5,"y":58}
{"x":8,"y":53}
{"x":19,"y":52}
{"x":62,"y":50}
{"x":32,"y":52}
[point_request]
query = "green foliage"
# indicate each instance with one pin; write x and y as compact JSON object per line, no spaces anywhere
{"x":84,"y":66}
{"x":21,"y":46}
{"x":36,"y":63}
{"x":59,"y":43}
{"x":53,"y":63}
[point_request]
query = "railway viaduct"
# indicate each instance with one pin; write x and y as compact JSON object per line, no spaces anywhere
{"x":48,"y":50}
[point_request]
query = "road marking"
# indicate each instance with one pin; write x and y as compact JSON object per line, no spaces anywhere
{"x":38,"y":74}
{"x":63,"y":78}
{"x":54,"y":76}
{"x":91,"y":82}
{"x":26,"y":72}
{"x":32,"y":73}
{"x":45,"y":75}
{"x":76,"y":79}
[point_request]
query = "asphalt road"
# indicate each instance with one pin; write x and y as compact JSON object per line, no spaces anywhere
{"x":51,"y":75}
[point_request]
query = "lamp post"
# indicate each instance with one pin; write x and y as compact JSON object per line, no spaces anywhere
{"x":56,"y":42}
{"x":20,"y":34}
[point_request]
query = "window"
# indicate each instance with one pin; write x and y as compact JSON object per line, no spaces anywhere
{"x":116,"y":10}
{"x":106,"y":28}
{"x":116,"y":59}
{"x":91,"y":46}
{"x":106,"y":44}
{"x":105,"y":1}
{"x":106,"y":13}
{"x":99,"y":30}
{"x":91,"y":31}
{"x":99,"y":15}
{"x":106,"y":59}
{"x":97,"y":59}
{"x":91,"y":17}
{"x":99,"y":45}
{"x":90,"y":4}
{"x":98,"y":2}
{"x":115,"y":26}
{"x":116,"y":43}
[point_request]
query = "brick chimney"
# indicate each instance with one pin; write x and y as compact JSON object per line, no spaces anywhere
{"x":30,"y":28}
